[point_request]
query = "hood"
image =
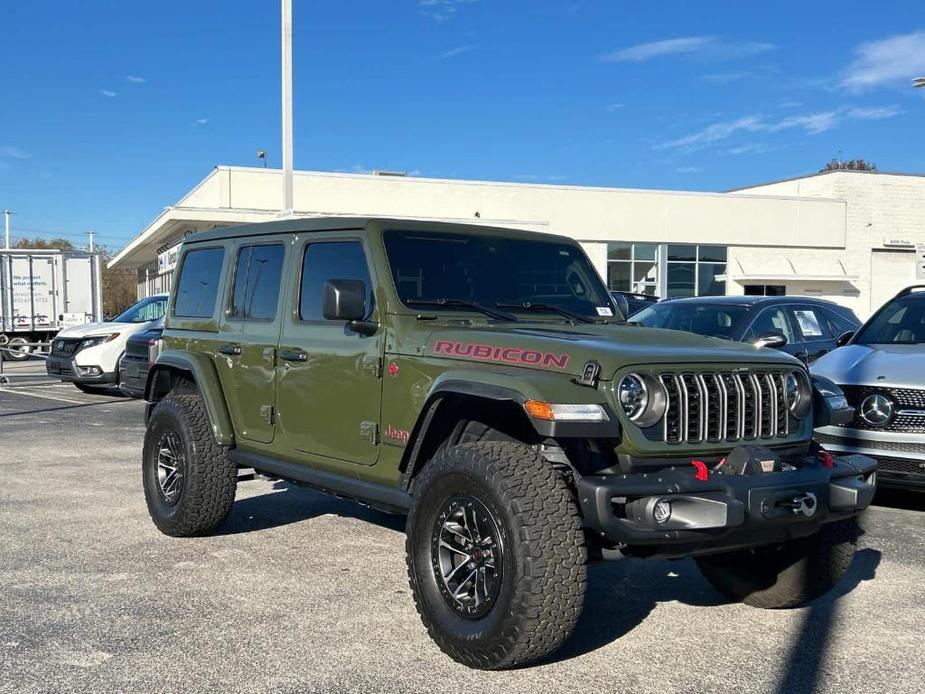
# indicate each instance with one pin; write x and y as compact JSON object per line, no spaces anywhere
{"x":89,"y":329}
{"x":567,"y":348}
{"x":894,"y":366}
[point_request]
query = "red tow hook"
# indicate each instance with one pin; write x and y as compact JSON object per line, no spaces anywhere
{"x":702,"y":473}
{"x":827,"y":459}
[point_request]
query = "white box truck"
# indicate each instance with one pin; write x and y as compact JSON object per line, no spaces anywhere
{"x":44,"y":291}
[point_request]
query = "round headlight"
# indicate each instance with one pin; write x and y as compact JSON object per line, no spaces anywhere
{"x":797,"y":394}
{"x":633,"y":396}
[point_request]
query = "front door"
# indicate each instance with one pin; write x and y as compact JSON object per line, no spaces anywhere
{"x":328,"y":376}
{"x":246,"y":350}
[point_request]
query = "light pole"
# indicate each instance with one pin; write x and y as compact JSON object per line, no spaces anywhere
{"x":91,"y":240}
{"x":6,"y":229}
{"x":287,"y":106}
{"x":262,"y":154}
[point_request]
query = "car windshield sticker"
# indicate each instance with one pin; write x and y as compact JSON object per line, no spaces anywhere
{"x":604,"y":311}
{"x":809,"y":324}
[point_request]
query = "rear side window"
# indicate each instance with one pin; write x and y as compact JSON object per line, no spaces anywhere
{"x":810,"y":324}
{"x":332,"y":260}
{"x":256,"y":282}
{"x":197,"y":287}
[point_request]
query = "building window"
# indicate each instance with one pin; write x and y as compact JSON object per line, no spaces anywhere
{"x":694,"y":270}
{"x":765,"y":290}
{"x":633,"y":267}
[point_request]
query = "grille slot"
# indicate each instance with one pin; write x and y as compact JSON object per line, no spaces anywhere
{"x":722,"y":406}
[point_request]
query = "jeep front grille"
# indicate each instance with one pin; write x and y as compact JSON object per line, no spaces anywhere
{"x":722,"y":406}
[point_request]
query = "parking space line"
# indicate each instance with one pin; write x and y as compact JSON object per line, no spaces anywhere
{"x":20,"y":391}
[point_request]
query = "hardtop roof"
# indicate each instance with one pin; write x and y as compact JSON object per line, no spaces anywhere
{"x":319,"y":224}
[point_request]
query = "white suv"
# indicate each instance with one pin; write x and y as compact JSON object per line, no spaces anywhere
{"x":89,"y":355}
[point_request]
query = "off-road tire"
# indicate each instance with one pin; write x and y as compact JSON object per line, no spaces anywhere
{"x":209,"y":477}
{"x":88,"y":388}
{"x":544,"y":561}
{"x":786,"y":575}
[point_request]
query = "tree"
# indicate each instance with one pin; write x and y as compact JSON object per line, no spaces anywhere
{"x":848,"y":165}
{"x":119,"y":286}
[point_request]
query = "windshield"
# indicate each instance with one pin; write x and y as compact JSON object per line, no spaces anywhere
{"x":526,"y":276}
{"x":901,"y":322}
{"x":146,"y":310}
{"x":711,"y":320}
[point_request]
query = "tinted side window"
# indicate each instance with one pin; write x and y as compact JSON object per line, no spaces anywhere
{"x":256,"y":282}
{"x":838,"y":323}
{"x":811,"y":324}
{"x":335,"y":260}
{"x":770,"y":320}
{"x":197,"y":287}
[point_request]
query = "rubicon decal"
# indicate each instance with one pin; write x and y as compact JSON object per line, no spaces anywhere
{"x":505,"y":355}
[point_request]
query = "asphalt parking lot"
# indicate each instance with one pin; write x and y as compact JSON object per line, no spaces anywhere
{"x":299,"y":592}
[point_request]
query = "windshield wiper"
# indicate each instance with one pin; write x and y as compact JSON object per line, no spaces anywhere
{"x":462,"y":303}
{"x":530,"y":306}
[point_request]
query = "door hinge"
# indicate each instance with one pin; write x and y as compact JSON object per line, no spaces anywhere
{"x":373,"y":366}
{"x":267,"y":413}
{"x":370,"y":432}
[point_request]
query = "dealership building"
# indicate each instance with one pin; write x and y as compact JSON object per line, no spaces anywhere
{"x":853,"y":237}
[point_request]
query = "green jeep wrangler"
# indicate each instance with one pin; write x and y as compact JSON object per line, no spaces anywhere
{"x":483,"y":382}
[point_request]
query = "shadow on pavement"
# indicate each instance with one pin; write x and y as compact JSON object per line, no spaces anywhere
{"x":900,"y":498}
{"x":292,"y":504}
{"x":810,"y":648}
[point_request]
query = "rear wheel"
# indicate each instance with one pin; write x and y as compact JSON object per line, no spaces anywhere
{"x":496,"y":554}
{"x":17,"y":349}
{"x":189,"y":481}
{"x":788,"y":574}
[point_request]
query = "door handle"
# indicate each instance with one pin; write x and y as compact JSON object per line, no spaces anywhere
{"x":293,"y":355}
{"x":230,"y":348}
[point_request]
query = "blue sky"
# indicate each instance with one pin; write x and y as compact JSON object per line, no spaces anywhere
{"x":113,"y":110}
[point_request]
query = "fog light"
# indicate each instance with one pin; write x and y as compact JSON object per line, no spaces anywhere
{"x":661,"y":511}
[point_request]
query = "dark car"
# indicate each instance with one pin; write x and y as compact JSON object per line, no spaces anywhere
{"x":802,"y":326}
{"x":141,"y":351}
{"x":630,"y":302}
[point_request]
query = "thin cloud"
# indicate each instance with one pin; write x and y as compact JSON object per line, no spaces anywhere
{"x":135,"y":79}
{"x":875,"y":112}
{"x":689,"y":169}
{"x":705,"y":47}
{"x":892,"y":61}
{"x":442,"y":10}
{"x":459,"y":50}
{"x":108,"y":93}
{"x":752,"y":148}
{"x":810,"y":123}
{"x":202,"y":121}
{"x":12,"y":152}
{"x":615,"y":107}
{"x":725,"y":77}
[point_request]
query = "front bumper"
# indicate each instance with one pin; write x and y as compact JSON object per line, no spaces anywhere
{"x":133,"y":376}
{"x":67,"y":369}
{"x":723,"y":512}
{"x":900,"y":456}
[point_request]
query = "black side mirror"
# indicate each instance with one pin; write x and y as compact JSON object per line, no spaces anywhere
{"x":344,"y":300}
{"x":771,"y":339}
{"x":844,"y":338}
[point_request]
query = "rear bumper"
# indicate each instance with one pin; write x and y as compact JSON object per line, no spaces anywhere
{"x":723,"y":512}
{"x":133,"y":376}
{"x":67,"y":369}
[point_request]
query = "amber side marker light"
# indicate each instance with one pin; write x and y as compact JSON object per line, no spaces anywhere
{"x":558,"y":412}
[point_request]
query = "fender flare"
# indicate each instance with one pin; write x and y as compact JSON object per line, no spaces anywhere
{"x":497,"y":391}
{"x":202,"y":371}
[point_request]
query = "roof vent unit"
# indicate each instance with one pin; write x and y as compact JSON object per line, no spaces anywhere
{"x":396,"y":174}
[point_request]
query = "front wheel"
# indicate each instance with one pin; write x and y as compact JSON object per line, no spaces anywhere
{"x":496,"y":554}
{"x":785,"y":575}
{"x":189,"y":481}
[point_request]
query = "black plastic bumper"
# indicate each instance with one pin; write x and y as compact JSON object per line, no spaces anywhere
{"x":723,"y":512}
{"x":133,"y":376}
{"x":66,"y":369}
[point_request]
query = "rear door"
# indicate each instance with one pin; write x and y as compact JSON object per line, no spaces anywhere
{"x":329,"y":376}
{"x":250,"y":324}
{"x":815,"y":333}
